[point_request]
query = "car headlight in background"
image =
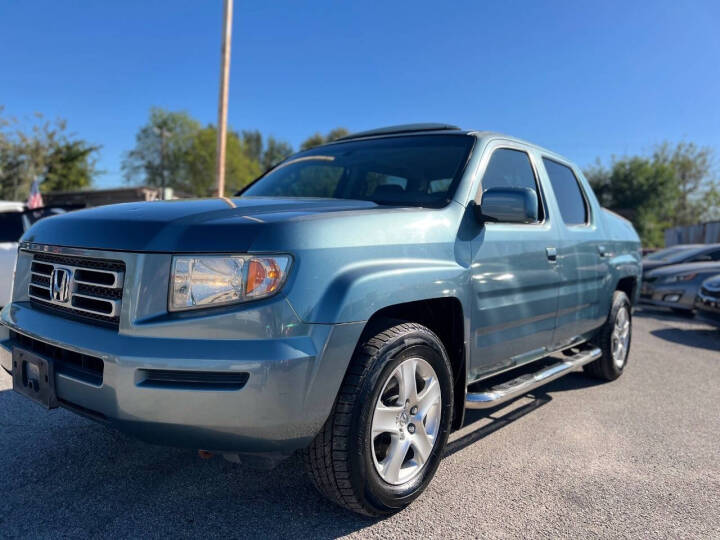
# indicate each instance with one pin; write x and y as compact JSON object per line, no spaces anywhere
{"x":199,"y":281}
{"x":680,"y":277}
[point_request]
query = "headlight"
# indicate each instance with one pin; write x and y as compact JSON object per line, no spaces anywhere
{"x":681,"y":277}
{"x":214,"y":280}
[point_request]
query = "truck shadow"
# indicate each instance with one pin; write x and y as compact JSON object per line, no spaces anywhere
{"x":78,"y":478}
{"x":481,"y":423}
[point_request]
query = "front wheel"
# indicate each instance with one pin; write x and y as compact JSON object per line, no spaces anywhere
{"x":614,"y":340}
{"x":384,"y":439}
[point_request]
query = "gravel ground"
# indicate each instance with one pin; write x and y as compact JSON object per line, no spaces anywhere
{"x":639,"y":457}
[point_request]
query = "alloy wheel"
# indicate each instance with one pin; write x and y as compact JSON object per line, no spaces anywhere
{"x":620,"y":337}
{"x":406,"y":421}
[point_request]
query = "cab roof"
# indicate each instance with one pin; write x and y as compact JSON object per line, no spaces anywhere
{"x":434,"y":128}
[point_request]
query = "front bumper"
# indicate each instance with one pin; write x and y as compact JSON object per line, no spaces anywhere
{"x":708,"y":307}
{"x":669,"y":296}
{"x":291,"y":386}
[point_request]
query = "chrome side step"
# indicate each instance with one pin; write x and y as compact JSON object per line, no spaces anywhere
{"x":525,"y":383}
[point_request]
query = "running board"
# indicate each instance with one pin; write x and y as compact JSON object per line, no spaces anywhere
{"x":525,"y":383}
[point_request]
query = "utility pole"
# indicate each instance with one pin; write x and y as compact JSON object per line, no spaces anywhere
{"x":223,"y":98}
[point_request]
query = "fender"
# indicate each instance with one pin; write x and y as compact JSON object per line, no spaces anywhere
{"x":361,"y":289}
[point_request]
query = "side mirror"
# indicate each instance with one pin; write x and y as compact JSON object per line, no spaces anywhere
{"x":508,"y":205}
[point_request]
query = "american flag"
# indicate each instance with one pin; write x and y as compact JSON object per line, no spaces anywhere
{"x":35,"y":199}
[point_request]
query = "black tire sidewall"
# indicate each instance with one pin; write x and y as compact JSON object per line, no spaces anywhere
{"x":620,"y":300}
{"x":381,"y":495}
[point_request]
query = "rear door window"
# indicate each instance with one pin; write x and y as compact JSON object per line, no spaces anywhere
{"x":573,"y":207}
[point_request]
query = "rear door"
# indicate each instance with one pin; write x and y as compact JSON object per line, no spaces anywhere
{"x":582,"y":255}
{"x":514,"y":279}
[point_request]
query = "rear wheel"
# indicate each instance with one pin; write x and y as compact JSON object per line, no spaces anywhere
{"x":383,"y":441}
{"x":614,"y":340}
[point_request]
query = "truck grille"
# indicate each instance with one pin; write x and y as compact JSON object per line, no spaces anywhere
{"x":89,"y":289}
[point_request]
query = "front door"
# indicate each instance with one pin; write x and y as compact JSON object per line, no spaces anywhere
{"x":514,"y":278}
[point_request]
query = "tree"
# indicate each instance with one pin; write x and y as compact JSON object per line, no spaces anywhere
{"x":266,"y":153}
{"x":697,"y":188}
{"x":253,"y":140}
{"x":275,"y":151}
{"x":71,"y":166}
{"x":674,"y":186}
{"x":336,"y":134}
{"x":317,"y":139}
{"x":153,"y":158}
{"x":240,"y":169}
{"x":43,"y":150}
{"x":188,"y":160}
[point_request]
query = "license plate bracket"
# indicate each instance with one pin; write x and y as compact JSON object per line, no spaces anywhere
{"x":34,"y":377}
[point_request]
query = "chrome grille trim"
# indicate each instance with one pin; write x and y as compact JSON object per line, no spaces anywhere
{"x":84,"y":281}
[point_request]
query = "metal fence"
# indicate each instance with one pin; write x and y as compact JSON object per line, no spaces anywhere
{"x":702,"y":233}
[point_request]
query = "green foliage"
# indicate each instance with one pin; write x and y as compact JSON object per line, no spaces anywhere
{"x":161,"y":150}
{"x":275,"y":151}
{"x":46,"y":151}
{"x":317,"y":139}
{"x":693,"y":170}
{"x":71,"y":166}
{"x":253,"y":143}
{"x":188,"y":162}
{"x":674,"y":186}
{"x":267,"y":154}
{"x":199,"y":175}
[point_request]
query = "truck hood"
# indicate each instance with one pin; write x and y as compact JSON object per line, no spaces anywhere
{"x":203,"y":225}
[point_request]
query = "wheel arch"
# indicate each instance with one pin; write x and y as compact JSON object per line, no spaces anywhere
{"x":445,"y":317}
{"x":628,"y":285}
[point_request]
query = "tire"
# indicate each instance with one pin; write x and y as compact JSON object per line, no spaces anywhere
{"x":610,"y":366}
{"x":348,"y":461}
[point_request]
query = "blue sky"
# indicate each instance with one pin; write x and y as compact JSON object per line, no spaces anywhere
{"x":587,"y":79}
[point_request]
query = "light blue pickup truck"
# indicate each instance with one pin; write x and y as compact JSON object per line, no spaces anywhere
{"x":351,"y":303}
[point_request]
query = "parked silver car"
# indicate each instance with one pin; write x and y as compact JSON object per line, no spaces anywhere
{"x":684,"y":253}
{"x":676,"y":286}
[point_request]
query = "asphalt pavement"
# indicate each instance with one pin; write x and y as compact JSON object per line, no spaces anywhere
{"x":638,"y":457}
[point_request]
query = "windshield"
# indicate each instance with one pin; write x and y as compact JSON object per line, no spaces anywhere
{"x":419,"y":170}
{"x":683,"y":255}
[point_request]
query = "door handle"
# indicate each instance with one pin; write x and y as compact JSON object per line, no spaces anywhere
{"x":551,"y":254}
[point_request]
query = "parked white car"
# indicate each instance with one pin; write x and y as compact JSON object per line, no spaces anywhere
{"x":11,"y":229}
